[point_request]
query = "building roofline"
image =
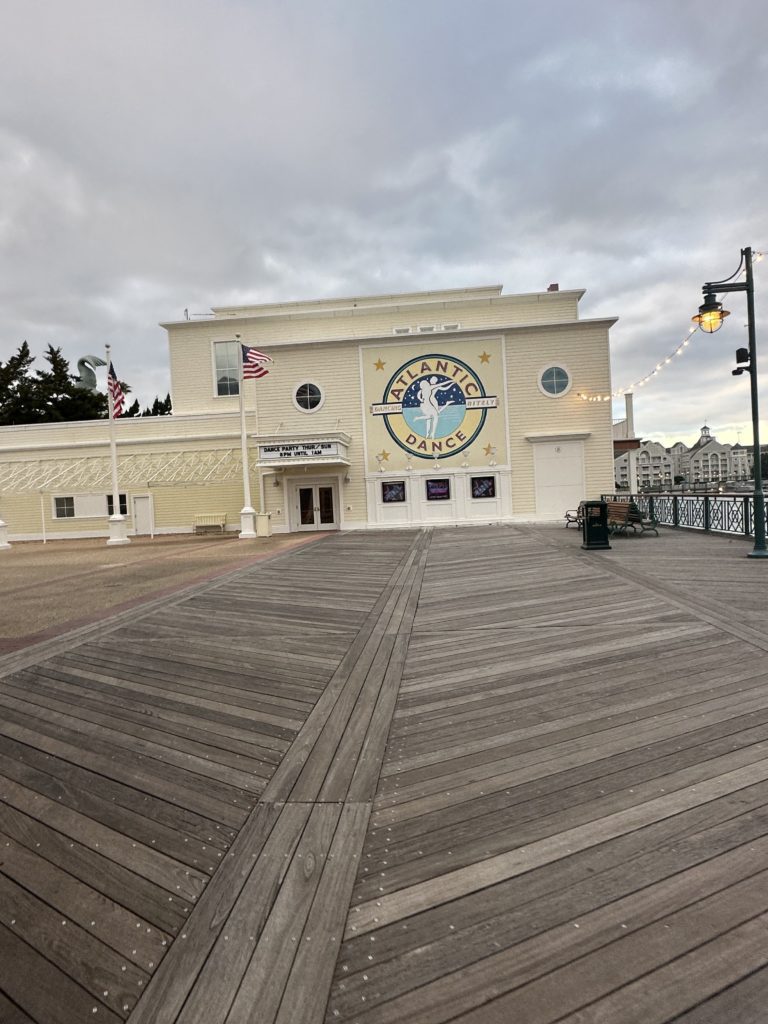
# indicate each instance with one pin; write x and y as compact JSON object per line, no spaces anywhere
{"x":95,"y":424}
{"x":345,"y":301}
{"x":479,"y":331}
{"x":332,"y":308}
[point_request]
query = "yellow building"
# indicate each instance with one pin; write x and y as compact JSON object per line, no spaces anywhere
{"x":443,"y":407}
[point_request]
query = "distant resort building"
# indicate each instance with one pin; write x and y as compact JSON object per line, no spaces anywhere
{"x":438,"y":407}
{"x":707,"y":461}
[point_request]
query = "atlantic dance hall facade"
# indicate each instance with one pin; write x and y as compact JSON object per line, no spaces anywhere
{"x":428,"y":408}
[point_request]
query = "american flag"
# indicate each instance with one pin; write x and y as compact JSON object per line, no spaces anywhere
{"x":118,"y":398}
{"x":253,"y":363}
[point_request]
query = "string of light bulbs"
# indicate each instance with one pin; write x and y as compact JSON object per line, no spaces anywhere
{"x":642,"y":381}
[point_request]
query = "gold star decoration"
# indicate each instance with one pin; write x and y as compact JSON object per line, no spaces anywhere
{"x":485,"y":357}
{"x":379,"y":364}
{"x":383,"y":456}
{"x":488,"y":449}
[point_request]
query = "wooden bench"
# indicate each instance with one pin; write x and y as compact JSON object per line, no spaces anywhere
{"x":623,"y":515}
{"x":210,"y":521}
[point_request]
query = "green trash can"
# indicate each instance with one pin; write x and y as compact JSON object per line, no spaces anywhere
{"x":594,"y":526}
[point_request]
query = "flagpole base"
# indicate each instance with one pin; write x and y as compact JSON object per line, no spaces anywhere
{"x":4,"y":545}
{"x":264,"y":524}
{"x":247,"y":524}
{"x":118,"y":531}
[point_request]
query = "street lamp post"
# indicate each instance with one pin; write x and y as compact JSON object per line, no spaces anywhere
{"x":710,"y":319}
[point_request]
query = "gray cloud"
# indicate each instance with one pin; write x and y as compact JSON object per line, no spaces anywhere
{"x":156,"y":156}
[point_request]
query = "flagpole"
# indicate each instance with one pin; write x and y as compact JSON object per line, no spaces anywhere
{"x":117,"y":524}
{"x":247,"y":513}
{"x":262,"y":528}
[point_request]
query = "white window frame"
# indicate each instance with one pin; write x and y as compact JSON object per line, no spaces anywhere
{"x":214,"y":371}
{"x":62,"y":497}
{"x":121,"y":495}
{"x":555,"y":366}
{"x":303,"y":383}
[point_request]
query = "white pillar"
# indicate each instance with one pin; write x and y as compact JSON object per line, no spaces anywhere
{"x":630,"y":414}
{"x":632,"y":465}
{"x":4,"y":545}
{"x":118,"y":527}
{"x":247,"y":512}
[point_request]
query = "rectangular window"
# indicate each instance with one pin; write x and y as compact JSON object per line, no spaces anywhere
{"x":227,"y":356}
{"x":86,"y":506}
{"x":483,"y":486}
{"x":64,"y":508}
{"x":439,"y":490}
{"x":123,"y":504}
{"x":392,"y":491}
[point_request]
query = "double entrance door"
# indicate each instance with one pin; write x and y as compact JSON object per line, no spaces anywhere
{"x":315,"y":506}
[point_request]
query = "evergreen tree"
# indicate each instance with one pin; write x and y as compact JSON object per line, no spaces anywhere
{"x":60,"y":398}
{"x":134,"y":409}
{"x":160,"y":407}
{"x":17,"y":389}
{"x":50,"y":395}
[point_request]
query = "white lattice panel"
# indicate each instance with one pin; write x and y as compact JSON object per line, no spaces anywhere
{"x":167,"y":467}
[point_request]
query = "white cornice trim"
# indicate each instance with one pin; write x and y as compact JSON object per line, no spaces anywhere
{"x":232,"y":314}
{"x":463,"y":333}
{"x":536,"y":438}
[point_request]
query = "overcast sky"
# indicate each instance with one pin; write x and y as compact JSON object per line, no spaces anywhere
{"x":163,"y":154}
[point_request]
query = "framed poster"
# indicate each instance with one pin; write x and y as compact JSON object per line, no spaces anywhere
{"x":392,"y":491}
{"x":439,"y":490}
{"x":483,"y":486}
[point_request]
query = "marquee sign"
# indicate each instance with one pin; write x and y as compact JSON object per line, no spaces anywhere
{"x":434,"y":406}
{"x":303,"y":450}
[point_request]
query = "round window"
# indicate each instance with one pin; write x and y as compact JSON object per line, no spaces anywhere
{"x":308,"y":397}
{"x":554,"y":381}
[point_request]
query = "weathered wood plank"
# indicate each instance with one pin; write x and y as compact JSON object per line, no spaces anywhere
{"x":469,"y":879}
{"x":157,"y":867}
{"x":42,"y":990}
{"x":109,"y":922}
{"x":12,"y":1014}
{"x":228,"y":806}
{"x":107,"y":976}
{"x":148,"y":901}
{"x":266,"y":841}
{"x":649,"y":924}
{"x":265,"y":979}
{"x":500,"y":916}
{"x":743,"y":1001}
{"x":307,"y":987}
{"x":79,"y":784}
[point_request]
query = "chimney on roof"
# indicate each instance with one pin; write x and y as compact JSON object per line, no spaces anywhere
{"x":554,"y":287}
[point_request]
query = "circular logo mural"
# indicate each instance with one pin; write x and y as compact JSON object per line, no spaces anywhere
{"x":434,"y":406}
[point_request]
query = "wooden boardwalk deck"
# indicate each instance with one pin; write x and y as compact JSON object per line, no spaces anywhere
{"x":468,"y":775}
